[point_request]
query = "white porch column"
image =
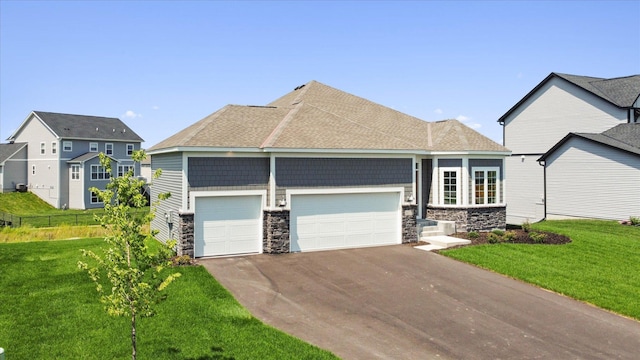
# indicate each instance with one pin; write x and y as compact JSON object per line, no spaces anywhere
{"x":435,"y":181}
{"x":465,"y":181}
{"x":272,"y":181}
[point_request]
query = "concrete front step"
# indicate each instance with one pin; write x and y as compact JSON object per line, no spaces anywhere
{"x":441,"y":242}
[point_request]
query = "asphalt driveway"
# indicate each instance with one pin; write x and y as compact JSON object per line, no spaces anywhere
{"x":396,"y":302}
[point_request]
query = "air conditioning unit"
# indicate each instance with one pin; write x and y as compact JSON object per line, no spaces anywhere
{"x":21,"y":187}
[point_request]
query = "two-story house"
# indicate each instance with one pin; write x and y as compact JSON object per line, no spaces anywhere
{"x":62,"y":155}
{"x":570,"y":116}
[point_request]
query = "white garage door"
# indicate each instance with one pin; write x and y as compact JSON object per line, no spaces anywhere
{"x":335,"y":221}
{"x":227,"y":225}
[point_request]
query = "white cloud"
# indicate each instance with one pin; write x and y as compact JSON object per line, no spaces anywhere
{"x":131,"y":114}
{"x":438,"y":111}
{"x":467,"y":121}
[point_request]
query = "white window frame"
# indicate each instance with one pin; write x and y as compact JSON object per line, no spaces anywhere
{"x":122,"y":169}
{"x":93,"y":147}
{"x":67,"y":146}
{"x":130,"y":149}
{"x":54,"y":148}
{"x":485,"y":170}
{"x":75,"y":172}
{"x":43,"y":148}
{"x":459,"y":185}
{"x":99,"y":170}
{"x":108,"y":149}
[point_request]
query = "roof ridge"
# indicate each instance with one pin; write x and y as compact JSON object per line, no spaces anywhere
{"x":303,"y":90}
{"x":364,"y":126}
{"x":277,"y":131}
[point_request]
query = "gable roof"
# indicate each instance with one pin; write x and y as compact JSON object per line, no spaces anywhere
{"x":622,"y":92}
{"x":625,"y":137}
{"x":317,"y":116}
{"x":69,"y":126}
{"x":8,"y":150}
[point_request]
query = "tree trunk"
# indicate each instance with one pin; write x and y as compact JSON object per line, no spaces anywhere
{"x":133,"y":336}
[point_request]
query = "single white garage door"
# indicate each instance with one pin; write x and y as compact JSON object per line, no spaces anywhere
{"x":227,"y":225}
{"x":338,"y":221}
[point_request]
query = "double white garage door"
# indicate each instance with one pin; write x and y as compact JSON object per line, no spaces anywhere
{"x":229,"y":225}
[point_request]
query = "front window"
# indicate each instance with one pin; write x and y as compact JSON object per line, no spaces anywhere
{"x":67,"y":146}
{"x":129,"y":149}
{"x":54,"y":148}
{"x":99,"y":172}
{"x":108,"y":149}
{"x":75,"y":172}
{"x":123,"y":169}
{"x":93,"y":147}
{"x":450,"y":189}
{"x":486,"y":185}
{"x":43,"y":148}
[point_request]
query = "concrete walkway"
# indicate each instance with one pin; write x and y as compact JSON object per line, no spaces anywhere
{"x":396,"y":302}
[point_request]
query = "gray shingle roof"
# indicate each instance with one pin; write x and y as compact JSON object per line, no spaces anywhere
{"x":625,"y":137}
{"x":70,"y":126}
{"x":317,"y":116}
{"x":621,"y":92}
{"x":6,"y":150}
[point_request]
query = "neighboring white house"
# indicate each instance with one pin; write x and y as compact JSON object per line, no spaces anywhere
{"x":559,"y":105}
{"x":62,"y":155}
{"x":321,"y":169}
{"x":594,"y":175}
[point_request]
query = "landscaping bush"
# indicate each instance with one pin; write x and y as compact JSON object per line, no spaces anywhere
{"x":473,"y":235}
{"x":509,"y":236}
{"x":492,"y":238}
{"x":497,"y":232}
{"x":537,"y":237}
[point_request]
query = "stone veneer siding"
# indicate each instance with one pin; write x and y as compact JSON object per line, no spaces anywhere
{"x":185,"y":234}
{"x":276,"y":236}
{"x":409,"y":223}
{"x":471,"y":218}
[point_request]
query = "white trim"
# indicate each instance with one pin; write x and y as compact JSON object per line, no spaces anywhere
{"x":79,"y":174}
{"x":465,"y":181}
{"x":54,"y":148}
{"x":133,"y":148}
{"x":435,"y":182}
{"x":185,"y":182}
{"x":334,"y":191}
{"x":97,"y":148}
{"x":64,"y":146}
{"x":105,"y":149}
{"x":272,"y":181}
{"x":196,"y":194}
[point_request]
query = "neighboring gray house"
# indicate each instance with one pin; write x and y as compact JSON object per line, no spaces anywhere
{"x":594,"y":175}
{"x":62,"y":155}
{"x":13,"y":166}
{"x":321,"y":169}
{"x":559,"y":105}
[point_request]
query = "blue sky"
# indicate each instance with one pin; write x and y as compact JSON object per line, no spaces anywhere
{"x":161,"y":66}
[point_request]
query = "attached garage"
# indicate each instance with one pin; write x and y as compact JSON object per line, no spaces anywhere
{"x":227,"y":225}
{"x":345,"y":220}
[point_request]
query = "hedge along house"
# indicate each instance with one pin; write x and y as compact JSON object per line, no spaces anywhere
{"x":321,"y":169}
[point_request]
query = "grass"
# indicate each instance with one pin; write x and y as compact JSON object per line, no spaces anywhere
{"x":599,"y":266}
{"x":49,"y":310}
{"x":28,"y":209}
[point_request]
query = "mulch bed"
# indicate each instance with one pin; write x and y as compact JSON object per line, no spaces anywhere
{"x":521,"y":237}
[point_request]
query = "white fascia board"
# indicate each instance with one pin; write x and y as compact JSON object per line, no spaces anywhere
{"x":341,"y":155}
{"x":204,"y":149}
{"x":343,"y":151}
{"x":476,"y":153}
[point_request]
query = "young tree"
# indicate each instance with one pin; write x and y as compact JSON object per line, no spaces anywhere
{"x":132,"y":269}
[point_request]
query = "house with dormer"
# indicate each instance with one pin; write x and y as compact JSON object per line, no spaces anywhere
{"x":62,"y":160}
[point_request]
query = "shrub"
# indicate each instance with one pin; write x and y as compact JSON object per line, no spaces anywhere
{"x":493,"y":238}
{"x":526,"y":226}
{"x":509,"y":236}
{"x":181,"y":260}
{"x":497,"y":232}
{"x":473,"y":235}
{"x":537,"y":237}
{"x":635,"y":221}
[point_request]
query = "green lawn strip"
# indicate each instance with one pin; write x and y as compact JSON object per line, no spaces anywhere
{"x":49,"y":310}
{"x":599,"y":266}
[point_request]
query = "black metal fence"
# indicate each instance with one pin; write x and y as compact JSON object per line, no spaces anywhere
{"x":54,"y":220}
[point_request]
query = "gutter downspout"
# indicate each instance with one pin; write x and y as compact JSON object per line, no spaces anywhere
{"x":544,"y":186}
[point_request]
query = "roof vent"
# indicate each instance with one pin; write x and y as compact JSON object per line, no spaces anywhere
{"x":96,"y":129}
{"x":124,"y":131}
{"x":299,"y":87}
{"x":114,"y":130}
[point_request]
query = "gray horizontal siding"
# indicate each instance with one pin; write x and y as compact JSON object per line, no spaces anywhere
{"x":588,"y":180}
{"x":342,"y":172}
{"x":170,"y":181}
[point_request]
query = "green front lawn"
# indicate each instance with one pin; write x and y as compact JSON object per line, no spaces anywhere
{"x":49,"y":310}
{"x":600,"y":265}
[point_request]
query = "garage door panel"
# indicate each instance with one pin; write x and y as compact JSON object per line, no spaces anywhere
{"x":333,"y":221}
{"x":227,"y":225}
